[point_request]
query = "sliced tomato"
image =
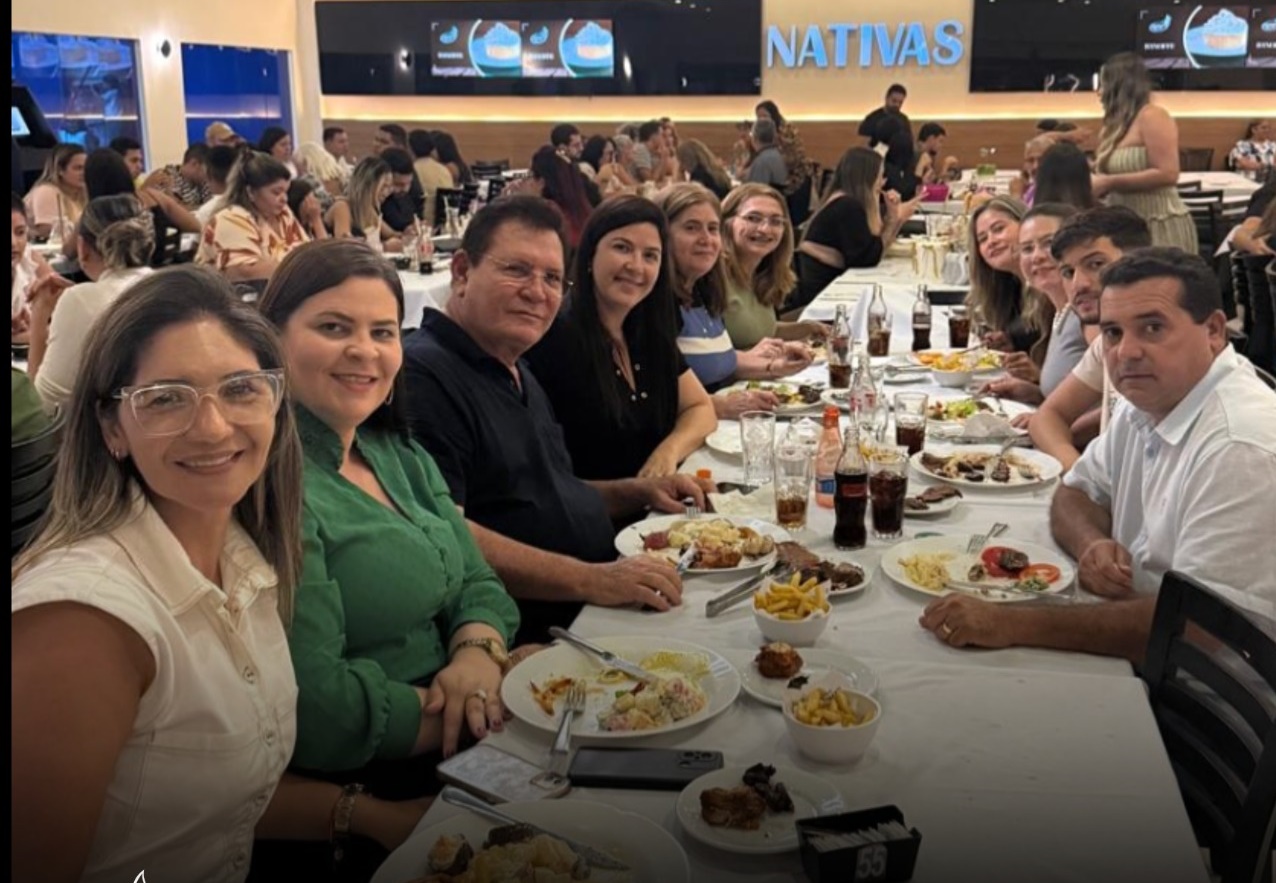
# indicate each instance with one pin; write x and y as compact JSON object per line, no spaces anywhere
{"x":989,"y":558}
{"x":1047,"y":572}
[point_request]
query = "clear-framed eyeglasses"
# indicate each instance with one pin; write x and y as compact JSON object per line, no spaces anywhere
{"x":756,"y":220}
{"x":522,"y":273}
{"x":164,"y":409}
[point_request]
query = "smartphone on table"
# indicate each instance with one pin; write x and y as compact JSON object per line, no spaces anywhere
{"x":650,"y":769}
{"x":500,"y":777}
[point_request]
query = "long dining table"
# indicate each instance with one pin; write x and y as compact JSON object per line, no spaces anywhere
{"x":1015,"y":764}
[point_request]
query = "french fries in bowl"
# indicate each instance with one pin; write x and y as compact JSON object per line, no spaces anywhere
{"x":829,"y":720}
{"x":793,"y":612}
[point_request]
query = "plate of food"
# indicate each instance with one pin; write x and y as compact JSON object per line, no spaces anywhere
{"x":982,"y":466}
{"x":841,"y":577}
{"x":726,"y":439}
{"x":465,"y":847}
{"x":752,"y":810}
{"x":778,"y":666}
{"x":1010,"y":571}
{"x":936,"y":500}
{"x":723,"y":543}
{"x":793,"y":397}
{"x":977,"y":361}
{"x":959,"y":409}
{"x":693,"y":685}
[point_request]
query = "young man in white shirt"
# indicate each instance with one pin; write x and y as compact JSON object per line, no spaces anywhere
{"x":1181,"y":480}
{"x":1084,"y":246}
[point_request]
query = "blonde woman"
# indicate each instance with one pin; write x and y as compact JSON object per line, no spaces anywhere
{"x":320,"y":169}
{"x":850,"y":228}
{"x":358,"y":214}
{"x":1137,"y":163}
{"x":996,"y":296}
{"x":703,"y":167}
{"x":58,"y":198}
{"x":114,"y":243}
{"x":757,"y":255}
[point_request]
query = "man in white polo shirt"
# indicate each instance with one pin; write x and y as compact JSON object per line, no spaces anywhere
{"x":1181,"y":480}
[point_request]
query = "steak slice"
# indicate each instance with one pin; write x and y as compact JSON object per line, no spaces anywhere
{"x":740,"y":807}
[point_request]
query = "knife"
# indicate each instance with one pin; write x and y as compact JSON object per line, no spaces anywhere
{"x":688,"y":558}
{"x":733,"y":596}
{"x":982,"y":591}
{"x":596,"y":857}
{"x":611,"y":659}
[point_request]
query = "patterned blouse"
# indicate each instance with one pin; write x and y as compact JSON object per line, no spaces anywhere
{"x":794,"y":153}
{"x":234,"y":238}
{"x":1263,"y":151}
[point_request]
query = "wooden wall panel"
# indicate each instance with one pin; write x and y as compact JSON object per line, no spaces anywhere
{"x":825,"y":140}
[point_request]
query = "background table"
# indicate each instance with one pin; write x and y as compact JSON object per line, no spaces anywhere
{"x":423,"y":292}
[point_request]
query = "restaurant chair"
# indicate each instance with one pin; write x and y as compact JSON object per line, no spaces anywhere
{"x":1186,"y":187}
{"x":168,"y":248}
{"x":489,"y":168}
{"x":33,"y":463}
{"x":1196,"y":159}
{"x":1206,"y":209}
{"x":1213,"y":706}
{"x":1261,"y":315}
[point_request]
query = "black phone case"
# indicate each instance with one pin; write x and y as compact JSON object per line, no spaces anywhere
{"x":649,"y":769}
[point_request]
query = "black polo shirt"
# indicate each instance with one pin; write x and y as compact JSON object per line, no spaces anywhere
{"x":502,"y":452}
{"x":400,"y":209}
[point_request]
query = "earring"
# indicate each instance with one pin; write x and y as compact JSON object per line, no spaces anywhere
{"x":390,"y":397}
{"x":117,"y":453}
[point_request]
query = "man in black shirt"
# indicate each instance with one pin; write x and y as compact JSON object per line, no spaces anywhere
{"x":406,"y":201}
{"x":893,"y":109}
{"x":480,"y":412}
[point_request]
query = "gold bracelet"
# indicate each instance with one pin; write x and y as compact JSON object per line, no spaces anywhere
{"x":342,"y":814}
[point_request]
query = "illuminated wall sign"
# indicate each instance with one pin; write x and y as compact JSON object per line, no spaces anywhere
{"x":878,"y":44}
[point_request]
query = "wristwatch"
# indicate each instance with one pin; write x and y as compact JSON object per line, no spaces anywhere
{"x":490,"y":646}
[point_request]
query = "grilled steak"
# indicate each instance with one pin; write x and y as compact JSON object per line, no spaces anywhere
{"x":740,"y":807}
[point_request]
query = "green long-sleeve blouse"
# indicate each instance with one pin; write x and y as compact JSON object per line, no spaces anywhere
{"x":381,"y":594}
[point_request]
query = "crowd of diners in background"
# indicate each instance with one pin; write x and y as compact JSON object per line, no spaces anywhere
{"x":378,"y":521}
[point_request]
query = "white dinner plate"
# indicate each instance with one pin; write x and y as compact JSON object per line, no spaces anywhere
{"x":629,"y":542}
{"x":653,"y":854}
{"x":1012,"y":409}
{"x":914,"y":358}
{"x":959,"y":565}
{"x":781,"y":387}
{"x":726,"y":440}
{"x":943,"y":507}
{"x":1048,"y":467}
{"x":812,"y":796}
{"x":721,"y":685}
{"x":815,"y":662}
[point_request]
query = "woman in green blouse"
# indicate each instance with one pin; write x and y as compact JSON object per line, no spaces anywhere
{"x":757,"y":252}
{"x":400,"y":628}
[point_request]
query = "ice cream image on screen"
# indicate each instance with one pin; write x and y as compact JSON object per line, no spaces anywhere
{"x":539,"y":38}
{"x":593,"y":44}
{"x":1160,"y":26}
{"x":502,"y":44}
{"x":1269,"y":26}
{"x":449,"y":36}
{"x":1224,"y":34}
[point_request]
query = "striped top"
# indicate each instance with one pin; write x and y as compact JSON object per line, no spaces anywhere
{"x":706,"y":345}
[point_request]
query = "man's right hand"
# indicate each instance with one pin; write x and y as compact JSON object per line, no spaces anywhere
{"x":1104,"y":569}
{"x":640,"y":581}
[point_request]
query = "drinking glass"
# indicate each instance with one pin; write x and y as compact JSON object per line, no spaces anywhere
{"x":887,"y":487}
{"x":793,"y":478}
{"x":757,"y":438}
{"x":959,"y":328}
{"x":910,"y":420}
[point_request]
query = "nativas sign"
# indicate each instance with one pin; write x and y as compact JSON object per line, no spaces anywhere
{"x":865,"y":45}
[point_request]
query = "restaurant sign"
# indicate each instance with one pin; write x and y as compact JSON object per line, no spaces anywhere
{"x":865,"y":45}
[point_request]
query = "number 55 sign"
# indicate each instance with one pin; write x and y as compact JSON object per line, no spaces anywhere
{"x":870,"y":863}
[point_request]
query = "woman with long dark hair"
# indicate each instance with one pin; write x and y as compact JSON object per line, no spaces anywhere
{"x":628,"y":403}
{"x":1137,"y":164}
{"x":564,"y":184}
{"x":450,"y":155}
{"x":1063,"y":176}
{"x":276,"y":143}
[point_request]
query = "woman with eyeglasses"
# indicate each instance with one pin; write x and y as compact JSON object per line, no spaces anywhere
{"x":114,"y":242}
{"x":757,"y":255}
{"x":628,"y":404}
{"x":154,"y":704}
{"x":700,"y":283}
{"x":401,"y":627}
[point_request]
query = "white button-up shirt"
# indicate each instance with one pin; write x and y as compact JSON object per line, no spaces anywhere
{"x":1195,"y":493}
{"x":215,"y":729}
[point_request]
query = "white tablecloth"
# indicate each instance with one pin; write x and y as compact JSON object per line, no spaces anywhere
{"x":421,"y":292}
{"x":1015,"y":764}
{"x":1236,"y":188}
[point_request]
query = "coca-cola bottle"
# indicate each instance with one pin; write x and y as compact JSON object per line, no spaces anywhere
{"x":839,"y":349}
{"x":863,"y":395}
{"x":851,"y":501}
{"x":879,"y":324}
{"x":921,"y":320}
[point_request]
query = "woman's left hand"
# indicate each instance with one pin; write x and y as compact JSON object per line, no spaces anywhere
{"x":816,"y":330}
{"x":467,"y":692}
{"x":1021,"y":367}
{"x":659,"y":464}
{"x":43,"y":297}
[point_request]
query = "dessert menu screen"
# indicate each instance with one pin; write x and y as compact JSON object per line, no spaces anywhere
{"x":1199,"y":37}
{"x":542,"y":48}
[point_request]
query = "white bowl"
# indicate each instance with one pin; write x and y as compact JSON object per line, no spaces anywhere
{"x":797,"y":632}
{"x":958,"y":379}
{"x":834,"y":744}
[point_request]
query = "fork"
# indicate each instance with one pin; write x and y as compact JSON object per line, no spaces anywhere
{"x":690,"y":509}
{"x":979,"y":540}
{"x":573,"y":704}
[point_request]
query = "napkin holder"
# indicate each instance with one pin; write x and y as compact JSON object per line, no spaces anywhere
{"x":887,"y":862}
{"x":956,"y":269}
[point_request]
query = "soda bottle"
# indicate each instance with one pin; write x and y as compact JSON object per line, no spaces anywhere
{"x":863,"y":395}
{"x":921,"y":320}
{"x":851,"y":500}
{"x":879,"y":324}
{"x":839,"y":349}
{"x":827,"y":454}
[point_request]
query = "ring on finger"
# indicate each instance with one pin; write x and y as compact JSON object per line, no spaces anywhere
{"x":479,"y":694}
{"x":946,"y":630}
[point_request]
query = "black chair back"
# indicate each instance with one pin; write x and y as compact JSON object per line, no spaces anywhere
{"x":1262,"y":306}
{"x":1212,"y":697}
{"x":1196,"y":159}
{"x":489,"y":168}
